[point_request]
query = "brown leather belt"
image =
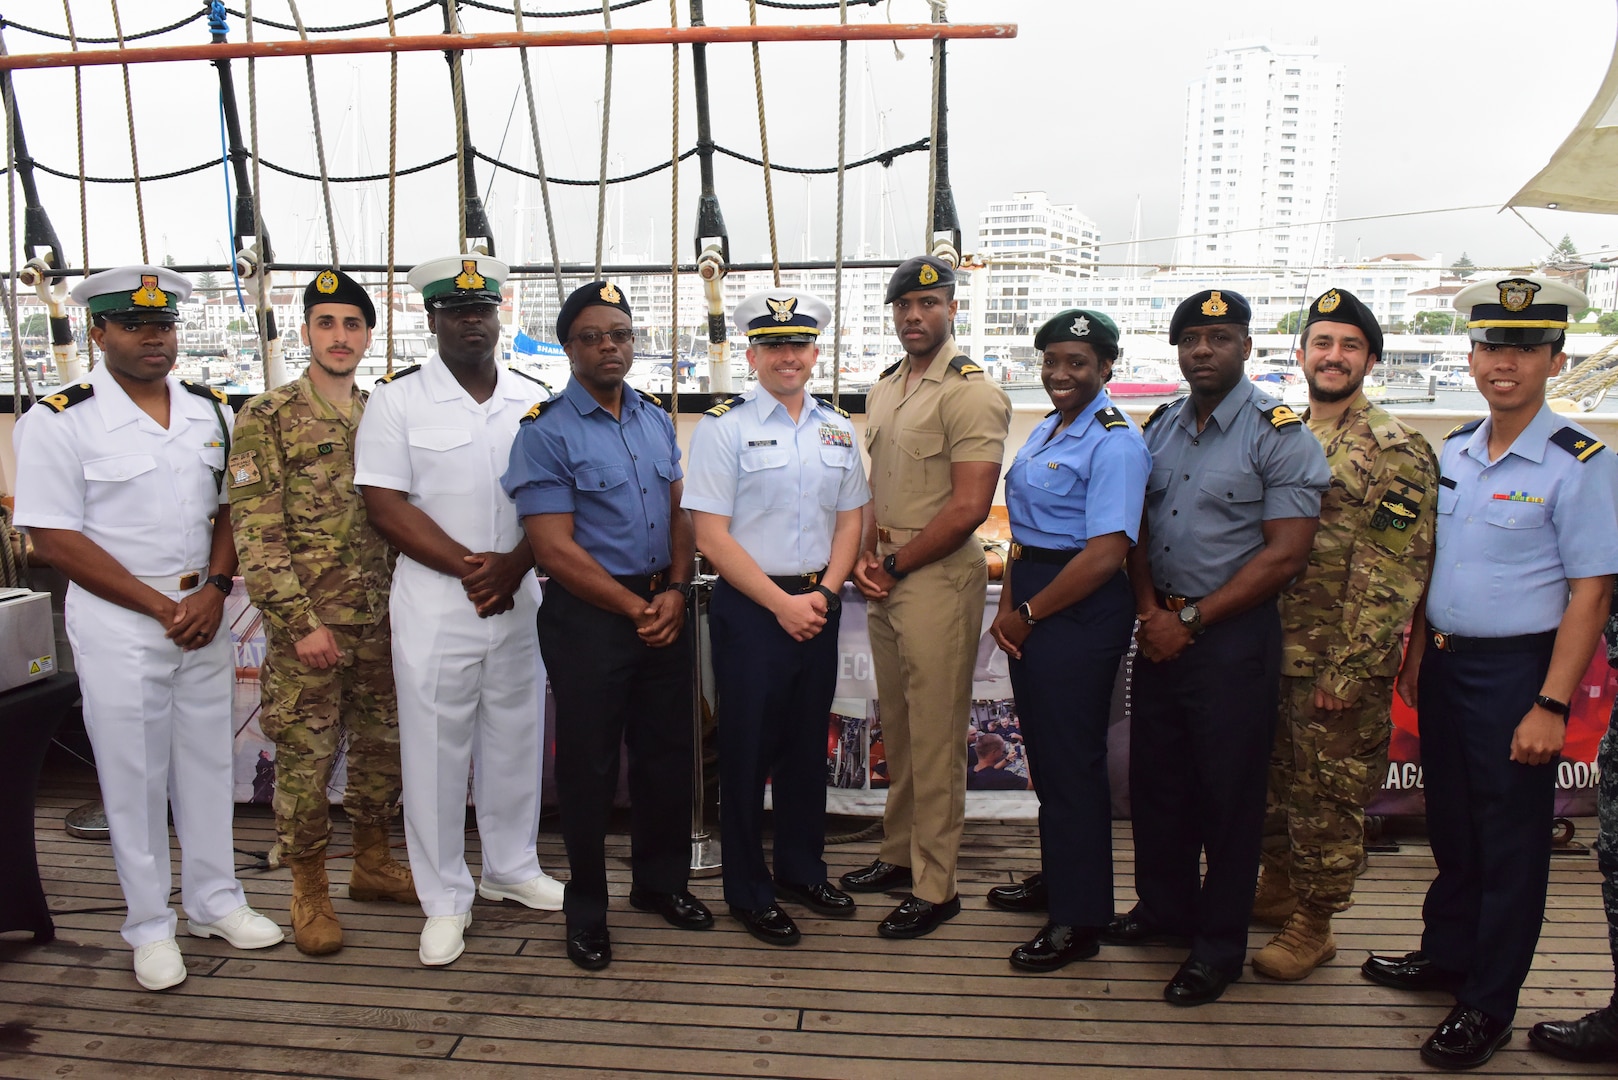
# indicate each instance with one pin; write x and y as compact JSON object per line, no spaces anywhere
{"x":798,"y":583}
{"x":647,"y":585}
{"x":1175,"y":602}
{"x":896,"y":536}
{"x":1055,"y":556}
{"x":1455,"y":643}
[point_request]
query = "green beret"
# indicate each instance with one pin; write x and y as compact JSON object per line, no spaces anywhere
{"x":1078,"y":324}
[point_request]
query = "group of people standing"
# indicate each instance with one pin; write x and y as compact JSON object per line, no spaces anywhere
{"x":1264,"y":564}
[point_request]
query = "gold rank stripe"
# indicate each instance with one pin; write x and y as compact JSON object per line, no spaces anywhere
{"x":782,"y":330}
{"x":1542,"y":324}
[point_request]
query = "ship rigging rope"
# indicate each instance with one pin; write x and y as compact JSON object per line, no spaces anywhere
{"x":674,"y":224}
{"x":17,"y":360}
{"x":134,"y":157}
{"x":764,"y":147}
{"x":606,"y":127}
{"x":539,"y":153}
{"x":320,"y":141}
{"x":261,"y":272}
{"x":84,"y":201}
{"x":393,"y":163}
{"x":457,"y":89}
{"x":837,"y":277}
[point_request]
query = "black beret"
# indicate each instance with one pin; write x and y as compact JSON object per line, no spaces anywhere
{"x":922,"y":272}
{"x":336,"y":287}
{"x":1342,"y":306}
{"x":1208,"y":307}
{"x":604,"y":293}
{"x":1077,"y":324}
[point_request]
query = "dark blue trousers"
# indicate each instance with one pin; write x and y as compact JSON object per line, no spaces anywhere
{"x":1201,"y":729}
{"x":1063,"y":685}
{"x":774,"y":702}
{"x":1489,"y":821}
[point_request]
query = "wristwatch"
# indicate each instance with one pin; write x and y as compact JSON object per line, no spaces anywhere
{"x":1191,"y":619}
{"x":684,"y":588}
{"x":223,"y":582}
{"x":1550,"y":704}
{"x":833,"y":601}
{"x":1027,"y":614}
{"x":890,"y":566}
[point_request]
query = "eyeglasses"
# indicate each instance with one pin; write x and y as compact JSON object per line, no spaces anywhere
{"x":592,"y":338}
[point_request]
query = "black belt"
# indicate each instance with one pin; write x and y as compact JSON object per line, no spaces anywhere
{"x":798,"y":583}
{"x":1455,"y":643}
{"x":1056,"y":556}
{"x":647,"y":585}
{"x":1175,"y":602}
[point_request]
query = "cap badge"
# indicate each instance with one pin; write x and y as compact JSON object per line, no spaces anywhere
{"x":326,"y":282}
{"x":928,"y":275}
{"x":610,"y":293}
{"x":1081,"y":326}
{"x":1518,"y":293}
{"x":1215,"y":304}
{"x":469,"y":278}
{"x":782,"y":308}
{"x":1328,"y":303}
{"x":149,"y":295}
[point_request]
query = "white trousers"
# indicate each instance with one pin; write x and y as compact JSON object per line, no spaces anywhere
{"x":469,"y":699}
{"x":159,"y":720}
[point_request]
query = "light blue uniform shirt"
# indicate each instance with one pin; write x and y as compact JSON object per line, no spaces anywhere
{"x":613,"y":476}
{"x":781,"y":483}
{"x":1088,"y":481}
{"x":1211,"y":492}
{"x":1511,"y":532}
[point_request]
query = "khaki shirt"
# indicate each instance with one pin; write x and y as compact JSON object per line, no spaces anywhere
{"x":1343,"y":620}
{"x":308,"y":552}
{"x":953,"y":413}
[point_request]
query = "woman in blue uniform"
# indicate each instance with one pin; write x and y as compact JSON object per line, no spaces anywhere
{"x":1074,"y":497}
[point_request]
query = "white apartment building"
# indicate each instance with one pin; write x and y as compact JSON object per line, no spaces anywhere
{"x":1028,"y":230}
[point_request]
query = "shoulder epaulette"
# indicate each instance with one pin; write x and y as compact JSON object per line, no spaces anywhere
{"x":653,"y":398}
{"x":1463,"y":429}
{"x":1280,"y":416}
{"x":401,"y":373}
{"x":723,"y":407}
{"x":844,"y":413}
{"x":965,"y":365}
{"x":1112,"y":417}
{"x":533,"y":413}
{"x":68,"y":396}
{"x":1386,"y":429}
{"x":1159,"y":411}
{"x":206,"y":391}
{"x":521,"y":374}
{"x":1577,"y":443}
{"x":890,"y":369}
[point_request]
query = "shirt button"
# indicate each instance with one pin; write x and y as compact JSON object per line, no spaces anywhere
{"x":1172,"y":513}
{"x":1186,"y":476}
{"x":643,"y":491}
{"x":1196,"y":442}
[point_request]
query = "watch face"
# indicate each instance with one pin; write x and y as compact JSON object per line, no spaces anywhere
{"x":1188,"y":614}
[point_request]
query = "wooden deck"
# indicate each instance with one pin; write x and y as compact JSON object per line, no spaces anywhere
{"x":845,"y":1003}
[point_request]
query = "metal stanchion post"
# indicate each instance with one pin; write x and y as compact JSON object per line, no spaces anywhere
{"x":706,"y":858}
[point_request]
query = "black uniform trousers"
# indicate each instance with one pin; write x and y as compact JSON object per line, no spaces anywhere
{"x":611,"y":689}
{"x":1063,"y":686}
{"x":774,"y":702}
{"x":1201,"y":728}
{"x":1488,"y":819}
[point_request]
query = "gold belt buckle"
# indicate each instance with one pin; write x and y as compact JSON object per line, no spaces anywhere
{"x":654,"y":584}
{"x":190,"y":581}
{"x":883,"y":534}
{"x":1175,"y":603}
{"x":1016,"y":551}
{"x":812,"y":579}
{"x":1441,"y":641}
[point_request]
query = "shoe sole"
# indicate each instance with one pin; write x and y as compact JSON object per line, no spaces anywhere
{"x":1263,"y":969}
{"x":1201,"y":999}
{"x":1439,"y":1062}
{"x":1556,"y":1050}
{"x":198,"y":930}
{"x":161,"y":986}
{"x":1040,"y":969}
{"x":489,"y":893}
{"x":782,"y":942}
{"x":595,"y":966}
{"x":371,"y":896}
{"x":907,"y":935}
{"x":441,"y":963}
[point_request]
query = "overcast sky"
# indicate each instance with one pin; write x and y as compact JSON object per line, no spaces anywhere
{"x":1446,"y":105}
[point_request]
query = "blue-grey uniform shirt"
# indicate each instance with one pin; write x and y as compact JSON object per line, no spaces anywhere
{"x":780,"y":483}
{"x":1088,"y":481}
{"x":1211,"y":492}
{"x":613,"y":476}
{"x":1512,"y":531}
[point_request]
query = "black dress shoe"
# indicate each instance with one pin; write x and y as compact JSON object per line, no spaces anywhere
{"x":682,"y":910}
{"x":1054,"y":947}
{"x":770,"y":924}
{"x":825,"y":897}
{"x":1590,"y":1038}
{"x":1412,"y":971}
{"x":1028,"y":895}
{"x":591,"y":949}
{"x":1131,"y":929}
{"x":1466,"y":1039}
{"x":915,"y":917}
{"x":1197,"y":983}
{"x":878,"y":877}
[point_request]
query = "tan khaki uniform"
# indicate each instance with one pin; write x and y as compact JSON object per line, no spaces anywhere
{"x":310,"y":558}
{"x":1342,"y":624}
{"x":924,"y":636}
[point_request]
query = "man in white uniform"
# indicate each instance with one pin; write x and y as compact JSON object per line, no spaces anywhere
{"x":429,"y":454}
{"x":119,"y":484}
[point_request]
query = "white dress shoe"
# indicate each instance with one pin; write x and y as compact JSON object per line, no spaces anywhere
{"x":441,"y":939}
{"x":543,"y":893}
{"x":159,"y":965}
{"x":243,"y":928}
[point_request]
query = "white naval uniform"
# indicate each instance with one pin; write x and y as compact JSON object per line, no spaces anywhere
{"x":468,"y":691}
{"x":158,"y":717}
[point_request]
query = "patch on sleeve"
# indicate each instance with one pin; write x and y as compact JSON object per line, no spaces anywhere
{"x":243,"y":469}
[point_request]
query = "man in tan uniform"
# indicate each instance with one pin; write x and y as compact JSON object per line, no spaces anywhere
{"x":936,"y":434}
{"x":319,"y":572}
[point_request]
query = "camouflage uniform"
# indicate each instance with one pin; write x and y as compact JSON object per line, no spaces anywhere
{"x":1343,"y":621}
{"x":310,"y":559}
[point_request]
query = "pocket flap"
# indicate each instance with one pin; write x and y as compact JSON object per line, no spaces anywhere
{"x":439,"y":438}
{"x":763,"y":457}
{"x":1233,"y":487}
{"x":123,"y":467}
{"x":921,"y":444}
{"x":1515,"y":515}
{"x":600,"y":477}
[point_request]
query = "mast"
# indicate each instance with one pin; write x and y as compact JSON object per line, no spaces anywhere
{"x":712,"y":241}
{"x":474,"y":222}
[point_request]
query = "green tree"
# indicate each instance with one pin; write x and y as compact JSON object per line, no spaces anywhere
{"x":241,"y":326}
{"x":1463,"y":266}
{"x":1587,"y":314}
{"x":1290,"y":323}
{"x":207,"y":282}
{"x":1608,"y":323}
{"x":1433,"y":322}
{"x":1566,"y":248}
{"x":169,"y":260}
{"x":36,"y":325}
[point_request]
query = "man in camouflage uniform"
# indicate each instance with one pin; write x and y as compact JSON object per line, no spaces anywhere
{"x":1342,"y":624}
{"x":319,"y":572}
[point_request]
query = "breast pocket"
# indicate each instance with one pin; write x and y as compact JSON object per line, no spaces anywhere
{"x":1157,"y":484}
{"x":115,"y":496}
{"x":923,"y":464}
{"x":1227,"y":500}
{"x":835,"y":462}
{"x":1516,"y":531}
{"x":1054,"y":478}
{"x":599,"y":478}
{"x":441,"y":460}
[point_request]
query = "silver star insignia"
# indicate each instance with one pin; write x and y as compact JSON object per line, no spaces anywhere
{"x":1081,"y":326}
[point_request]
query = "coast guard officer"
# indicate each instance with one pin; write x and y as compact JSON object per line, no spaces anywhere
{"x":1521,"y":586}
{"x":427,"y":460}
{"x":119,"y":483}
{"x":1231,"y":510}
{"x":775,"y":488}
{"x":596,"y":476}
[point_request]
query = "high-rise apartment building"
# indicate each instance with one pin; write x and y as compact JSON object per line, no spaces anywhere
{"x":1028,"y":231}
{"x":1262,"y":138}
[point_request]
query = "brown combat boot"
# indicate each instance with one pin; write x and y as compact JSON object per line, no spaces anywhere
{"x":377,"y":875}
{"x":1273,"y":898}
{"x":314,"y":924}
{"x":1302,"y":945}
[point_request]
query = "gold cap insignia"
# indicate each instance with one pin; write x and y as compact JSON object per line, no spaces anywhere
{"x":1328,"y":303}
{"x":469,"y":278}
{"x":1215,"y":304}
{"x":149,"y":295}
{"x":1518,"y":293}
{"x":610,"y":293}
{"x":326,"y":282}
{"x":928,"y":275}
{"x":782,"y":308}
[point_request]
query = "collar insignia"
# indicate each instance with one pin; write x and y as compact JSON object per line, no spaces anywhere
{"x":326,"y":283}
{"x":468,"y":278}
{"x":1518,"y":293}
{"x":149,"y":295}
{"x":782,"y":308}
{"x":1215,"y":304}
